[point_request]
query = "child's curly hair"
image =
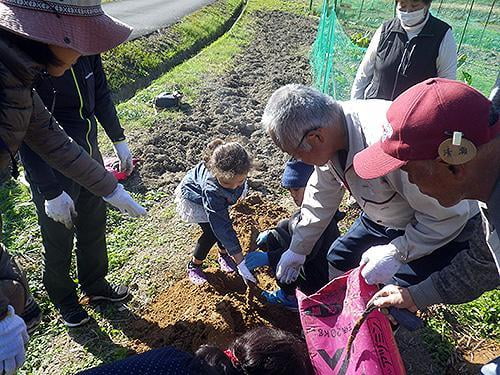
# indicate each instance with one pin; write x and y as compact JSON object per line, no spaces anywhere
{"x":226,"y":159}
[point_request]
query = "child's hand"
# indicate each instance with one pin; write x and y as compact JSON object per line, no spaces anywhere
{"x":245,"y":273}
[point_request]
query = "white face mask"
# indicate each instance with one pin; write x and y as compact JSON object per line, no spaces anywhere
{"x":411,"y":18}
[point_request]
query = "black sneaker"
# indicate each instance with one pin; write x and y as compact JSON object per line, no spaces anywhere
{"x":110,"y":293}
{"x":74,"y":315}
{"x":32,"y":315}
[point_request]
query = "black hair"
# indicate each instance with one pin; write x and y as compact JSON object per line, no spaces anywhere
{"x":38,"y":51}
{"x":262,"y":350}
{"x":426,"y":2}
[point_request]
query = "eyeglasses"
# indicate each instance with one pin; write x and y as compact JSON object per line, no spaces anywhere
{"x":304,"y":137}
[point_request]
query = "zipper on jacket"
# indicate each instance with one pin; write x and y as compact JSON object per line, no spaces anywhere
{"x":81,"y":112}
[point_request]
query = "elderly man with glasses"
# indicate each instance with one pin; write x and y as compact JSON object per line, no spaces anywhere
{"x":402,"y":235}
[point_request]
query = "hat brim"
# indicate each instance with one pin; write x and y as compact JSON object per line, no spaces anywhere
{"x":373,"y":162}
{"x":88,"y":35}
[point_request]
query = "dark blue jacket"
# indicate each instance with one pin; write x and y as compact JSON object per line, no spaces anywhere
{"x":164,"y":361}
{"x":79,"y":99}
{"x":201,"y":187}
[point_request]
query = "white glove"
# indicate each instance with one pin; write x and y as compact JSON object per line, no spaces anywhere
{"x":121,"y":199}
{"x":13,"y":338}
{"x":61,"y":209}
{"x":123,"y":153}
{"x":289,"y":266}
{"x":245,"y":273}
{"x":380,"y":264}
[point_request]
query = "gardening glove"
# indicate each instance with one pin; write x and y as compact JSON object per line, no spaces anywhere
{"x":262,"y":238}
{"x":255,"y":259}
{"x":123,"y":153}
{"x":121,"y":199}
{"x":61,"y":209}
{"x":380,"y":264}
{"x":289,"y":266}
{"x":245,"y":273}
{"x":13,"y":338}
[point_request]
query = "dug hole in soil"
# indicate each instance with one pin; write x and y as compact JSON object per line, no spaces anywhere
{"x":187,"y":315}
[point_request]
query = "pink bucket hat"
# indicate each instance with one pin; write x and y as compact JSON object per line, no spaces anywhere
{"x":80,"y":25}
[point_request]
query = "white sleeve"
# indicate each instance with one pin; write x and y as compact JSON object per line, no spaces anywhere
{"x":446,"y":62}
{"x":433,"y":225}
{"x":321,"y":200}
{"x":365,"y":70}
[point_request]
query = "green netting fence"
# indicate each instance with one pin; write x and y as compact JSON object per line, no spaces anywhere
{"x":335,"y":57}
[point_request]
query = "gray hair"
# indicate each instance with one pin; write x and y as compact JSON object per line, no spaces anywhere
{"x":293,"y":110}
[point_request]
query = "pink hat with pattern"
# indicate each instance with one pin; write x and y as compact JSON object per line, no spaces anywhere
{"x":80,"y":25}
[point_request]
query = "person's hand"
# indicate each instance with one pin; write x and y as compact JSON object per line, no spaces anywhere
{"x":13,"y":338}
{"x":393,"y":296}
{"x":262,"y":238}
{"x":289,"y":266}
{"x":380,"y":264}
{"x":255,"y":259}
{"x":61,"y":209}
{"x":121,"y":199}
{"x":125,"y":156}
{"x":245,"y":273}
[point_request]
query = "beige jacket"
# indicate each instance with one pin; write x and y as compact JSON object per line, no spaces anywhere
{"x":391,"y":201}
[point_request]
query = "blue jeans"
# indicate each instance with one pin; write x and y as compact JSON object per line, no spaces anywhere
{"x":345,"y":252}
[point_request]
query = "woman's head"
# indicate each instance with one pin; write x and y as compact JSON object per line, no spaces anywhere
{"x":262,"y":350}
{"x":229,"y":162}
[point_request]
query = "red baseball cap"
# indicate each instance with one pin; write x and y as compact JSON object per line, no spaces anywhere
{"x":420,"y":119}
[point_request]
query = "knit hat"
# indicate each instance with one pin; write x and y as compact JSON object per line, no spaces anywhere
{"x":296,"y":174}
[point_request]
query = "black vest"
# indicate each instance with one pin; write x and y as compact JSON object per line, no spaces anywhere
{"x":400,"y":63}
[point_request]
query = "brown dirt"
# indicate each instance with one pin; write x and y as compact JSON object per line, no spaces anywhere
{"x":253,"y":215}
{"x":187,"y":316}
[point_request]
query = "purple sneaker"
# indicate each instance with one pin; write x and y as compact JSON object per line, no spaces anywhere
{"x":226,"y":263}
{"x":196,"y":275}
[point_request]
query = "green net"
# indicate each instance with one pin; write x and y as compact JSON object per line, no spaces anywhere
{"x":335,"y":56}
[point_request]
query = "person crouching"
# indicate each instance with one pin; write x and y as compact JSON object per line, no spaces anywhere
{"x":204,"y":196}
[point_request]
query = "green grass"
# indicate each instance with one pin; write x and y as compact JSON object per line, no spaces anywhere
{"x":144,"y":56}
{"x":447,"y":326}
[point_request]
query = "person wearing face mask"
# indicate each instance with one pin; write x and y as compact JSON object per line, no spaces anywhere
{"x":404,"y":51}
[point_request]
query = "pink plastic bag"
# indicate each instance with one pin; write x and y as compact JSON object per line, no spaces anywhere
{"x":111,"y":164}
{"x":328,"y":318}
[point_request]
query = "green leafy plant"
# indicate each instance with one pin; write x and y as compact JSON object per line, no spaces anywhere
{"x":360,"y":39}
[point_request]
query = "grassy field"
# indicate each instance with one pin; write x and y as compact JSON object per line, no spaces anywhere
{"x":136,"y":63}
{"x":140,"y":256}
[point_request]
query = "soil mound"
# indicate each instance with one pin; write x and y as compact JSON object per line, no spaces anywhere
{"x":187,"y":316}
